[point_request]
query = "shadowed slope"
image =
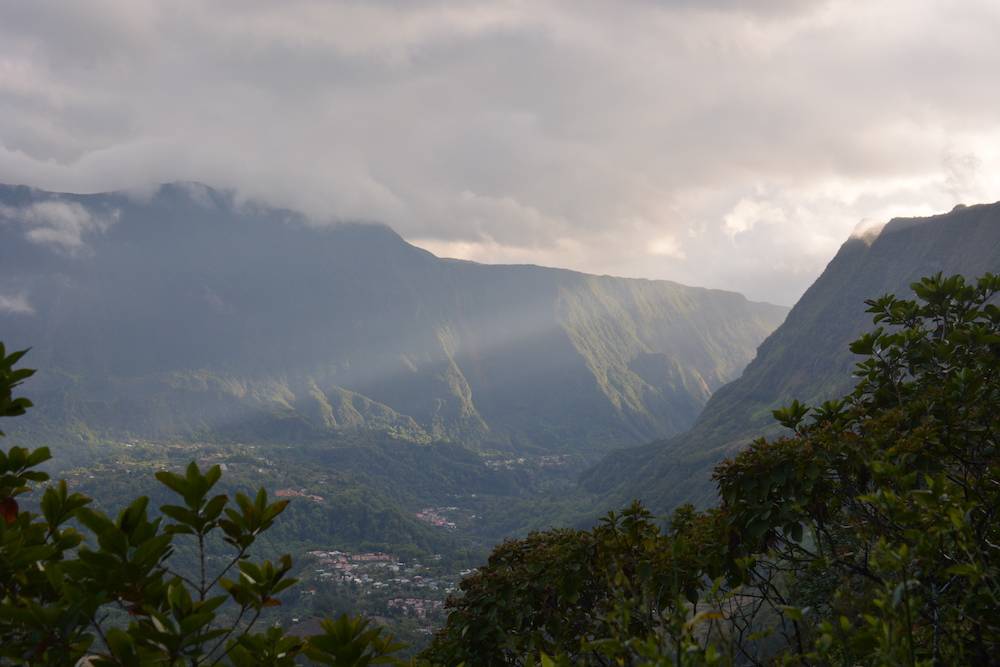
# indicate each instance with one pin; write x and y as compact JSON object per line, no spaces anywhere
{"x":807,"y":357}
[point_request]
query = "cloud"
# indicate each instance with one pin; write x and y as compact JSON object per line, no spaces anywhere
{"x":17,"y":304}
{"x":602,"y":136}
{"x":962,"y":172}
{"x":748,"y":213}
{"x":59,"y":223}
{"x":666,"y":246}
{"x":868,"y":230}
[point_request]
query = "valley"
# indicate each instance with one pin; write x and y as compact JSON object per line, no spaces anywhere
{"x":450,"y":333}
{"x":404,"y":404}
{"x":360,"y":543}
{"x":414,"y":412}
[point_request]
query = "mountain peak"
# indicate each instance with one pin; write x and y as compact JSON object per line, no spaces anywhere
{"x":807,"y":357}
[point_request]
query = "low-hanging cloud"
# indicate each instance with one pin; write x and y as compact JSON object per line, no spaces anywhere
{"x":720,"y":143}
{"x":16,"y":304}
{"x":60,"y":224}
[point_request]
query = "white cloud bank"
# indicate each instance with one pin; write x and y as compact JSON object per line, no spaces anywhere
{"x":57,"y":223}
{"x":17,"y":304}
{"x":720,"y":143}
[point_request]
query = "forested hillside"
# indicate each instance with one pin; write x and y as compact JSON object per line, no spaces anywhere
{"x":183,"y":313}
{"x":866,"y":536}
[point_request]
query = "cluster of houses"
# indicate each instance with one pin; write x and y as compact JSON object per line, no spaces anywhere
{"x":408,"y":588}
{"x":547,"y":461}
{"x":297,"y":493}
{"x":436,"y":517}
{"x":505,"y":464}
{"x":374,"y":569}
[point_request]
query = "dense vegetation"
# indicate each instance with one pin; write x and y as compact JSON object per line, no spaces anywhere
{"x":868,"y":537}
{"x":77,"y":583}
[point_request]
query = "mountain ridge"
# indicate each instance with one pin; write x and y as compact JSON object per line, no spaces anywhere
{"x":202,"y":315}
{"x":806,"y":357}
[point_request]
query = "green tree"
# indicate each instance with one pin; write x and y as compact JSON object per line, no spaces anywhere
{"x":75,"y":582}
{"x":869,"y":536}
{"x":587,"y":597}
{"x":879,"y":514}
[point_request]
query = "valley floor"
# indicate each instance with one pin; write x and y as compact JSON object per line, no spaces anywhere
{"x":391,"y":548}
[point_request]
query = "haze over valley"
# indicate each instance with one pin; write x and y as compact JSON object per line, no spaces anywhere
{"x":265,"y":328}
{"x":499,"y":333}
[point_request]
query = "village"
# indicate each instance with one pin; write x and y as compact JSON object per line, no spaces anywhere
{"x":436,"y":516}
{"x":404,"y":588}
{"x":539,"y":462}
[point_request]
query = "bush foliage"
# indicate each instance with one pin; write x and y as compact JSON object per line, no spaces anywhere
{"x":867,"y":536}
{"x":76,"y":583}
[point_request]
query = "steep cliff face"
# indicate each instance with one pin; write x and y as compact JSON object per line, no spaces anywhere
{"x":807,"y":357}
{"x":186,"y":314}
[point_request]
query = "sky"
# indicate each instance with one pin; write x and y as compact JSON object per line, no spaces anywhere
{"x":726,"y":143}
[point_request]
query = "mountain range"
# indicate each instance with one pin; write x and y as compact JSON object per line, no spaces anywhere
{"x":806,"y":358}
{"x":185,"y":313}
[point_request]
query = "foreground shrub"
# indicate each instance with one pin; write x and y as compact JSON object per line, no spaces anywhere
{"x":869,"y":536}
{"x":75,"y":582}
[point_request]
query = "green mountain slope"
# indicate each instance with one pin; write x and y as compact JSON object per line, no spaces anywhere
{"x":186,"y":314}
{"x":806,"y":358}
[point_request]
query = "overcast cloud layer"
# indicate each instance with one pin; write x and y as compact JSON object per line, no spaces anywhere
{"x":714,"y":142}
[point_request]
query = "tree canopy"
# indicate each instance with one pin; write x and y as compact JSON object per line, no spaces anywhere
{"x":868,"y":536}
{"x":77,"y":583}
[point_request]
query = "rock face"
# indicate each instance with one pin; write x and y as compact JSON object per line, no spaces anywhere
{"x":807,"y":357}
{"x":187,"y":314}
